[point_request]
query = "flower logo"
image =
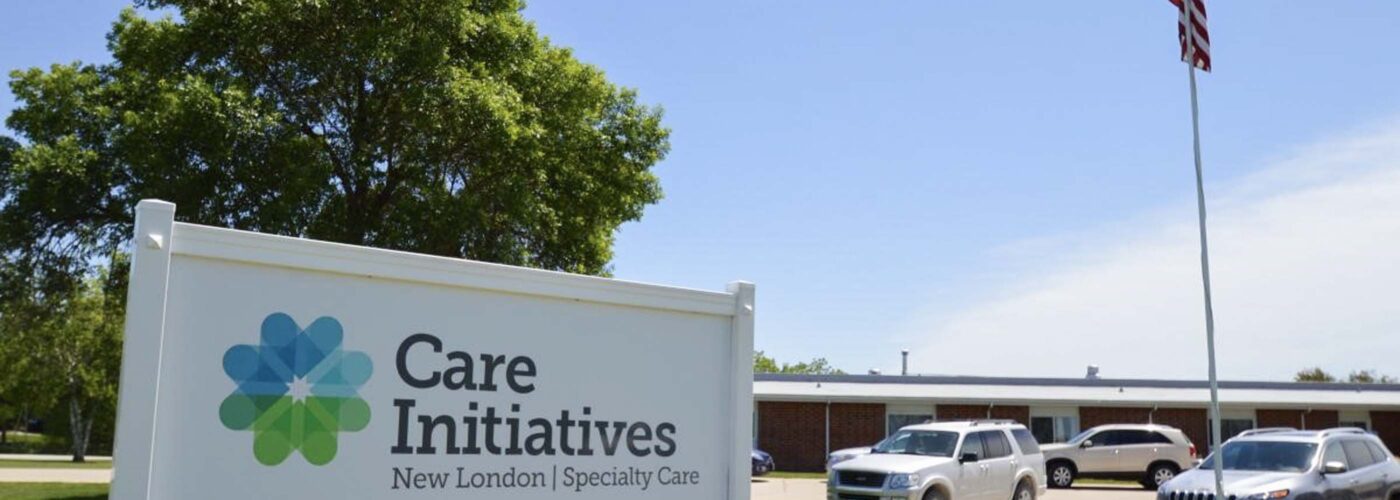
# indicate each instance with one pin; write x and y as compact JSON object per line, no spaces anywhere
{"x":296,"y":390}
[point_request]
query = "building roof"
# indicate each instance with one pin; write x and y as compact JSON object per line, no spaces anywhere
{"x":1070,"y":391}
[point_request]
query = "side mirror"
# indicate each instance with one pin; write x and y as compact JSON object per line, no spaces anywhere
{"x":1087,"y":444}
{"x":968,"y":457}
{"x":1334,"y":468}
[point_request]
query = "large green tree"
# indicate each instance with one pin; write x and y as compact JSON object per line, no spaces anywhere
{"x":448,"y":127}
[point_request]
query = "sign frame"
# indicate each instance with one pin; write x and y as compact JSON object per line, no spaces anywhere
{"x":158,"y":238}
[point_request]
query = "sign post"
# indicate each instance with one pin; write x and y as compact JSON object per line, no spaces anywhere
{"x":259,"y":366}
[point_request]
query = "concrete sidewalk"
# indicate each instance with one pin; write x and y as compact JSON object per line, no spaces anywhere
{"x":763,"y":488}
{"x":55,"y":475}
{"x":49,"y":458}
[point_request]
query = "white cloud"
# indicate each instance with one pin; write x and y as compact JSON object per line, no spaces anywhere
{"x":1306,"y":270}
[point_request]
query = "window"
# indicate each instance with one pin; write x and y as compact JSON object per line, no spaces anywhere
{"x":1120,"y":438}
{"x":1158,"y":438}
{"x":1057,"y":429}
{"x":1025,"y":441}
{"x":1359,"y":419}
{"x":1334,"y":453}
{"x":1357,"y":453}
{"x":1099,"y":439}
{"x":1359,"y":424}
{"x":972,"y":444}
{"x":896,"y":421}
{"x":995,"y":443}
{"x":1043,"y":428}
{"x":1272,"y":456}
{"x":1081,"y":437}
{"x":1232,"y":427}
{"x":1378,"y":452}
{"x":1229,"y":428}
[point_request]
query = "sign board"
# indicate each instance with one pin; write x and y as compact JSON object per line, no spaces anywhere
{"x":260,"y":366}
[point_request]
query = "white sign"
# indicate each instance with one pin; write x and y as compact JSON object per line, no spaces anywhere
{"x":260,"y":366}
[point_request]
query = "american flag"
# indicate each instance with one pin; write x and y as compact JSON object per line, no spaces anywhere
{"x":1196,"y":49}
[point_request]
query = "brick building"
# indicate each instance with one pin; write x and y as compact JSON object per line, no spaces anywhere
{"x":800,"y":418}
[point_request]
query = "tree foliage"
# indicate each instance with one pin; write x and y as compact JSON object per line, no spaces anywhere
{"x":64,"y":348}
{"x":1317,"y":374}
{"x":818,"y":366}
{"x":447,"y":127}
{"x":1369,"y":377}
{"x":1314,"y":374}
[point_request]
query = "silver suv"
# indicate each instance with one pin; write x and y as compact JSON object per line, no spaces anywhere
{"x":1284,"y":464}
{"x":1146,"y":453}
{"x":971,"y":460}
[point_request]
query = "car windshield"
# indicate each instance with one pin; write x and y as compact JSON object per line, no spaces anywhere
{"x":928,"y":443}
{"x":1081,"y":436}
{"x":1271,"y":456}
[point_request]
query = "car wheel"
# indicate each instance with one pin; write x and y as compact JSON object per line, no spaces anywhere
{"x":1023,"y":492}
{"x":1158,"y":475}
{"x":1061,"y":475}
{"x":934,"y":494}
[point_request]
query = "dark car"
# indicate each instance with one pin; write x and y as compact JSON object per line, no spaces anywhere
{"x":762,"y":463}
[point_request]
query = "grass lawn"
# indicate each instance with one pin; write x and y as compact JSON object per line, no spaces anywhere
{"x":52,"y":491}
{"x":24,"y":437}
{"x":46,"y":464}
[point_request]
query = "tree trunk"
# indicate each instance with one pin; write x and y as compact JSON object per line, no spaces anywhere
{"x":80,"y":427}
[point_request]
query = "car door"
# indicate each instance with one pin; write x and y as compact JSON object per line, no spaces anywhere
{"x":1366,"y":482}
{"x":972,"y":480}
{"x":1000,"y":464}
{"x":1337,"y":485}
{"x":1135,"y":450}
{"x":1384,"y":465}
{"x":1097,"y":454}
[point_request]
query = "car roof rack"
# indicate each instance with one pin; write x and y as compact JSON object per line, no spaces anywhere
{"x":993,"y":421}
{"x":1265,"y":430}
{"x":1343,"y":430}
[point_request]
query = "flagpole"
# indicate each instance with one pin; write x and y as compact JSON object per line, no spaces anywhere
{"x":1205,"y":281}
{"x":1218,"y":463}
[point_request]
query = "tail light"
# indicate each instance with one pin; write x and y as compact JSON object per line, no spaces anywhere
{"x":1193,"y":450}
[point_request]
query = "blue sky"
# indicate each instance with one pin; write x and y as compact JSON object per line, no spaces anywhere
{"x":926,"y":174}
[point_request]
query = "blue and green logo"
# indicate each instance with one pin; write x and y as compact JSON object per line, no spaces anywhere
{"x":297,"y":390}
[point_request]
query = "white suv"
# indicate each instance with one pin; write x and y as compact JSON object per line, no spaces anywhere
{"x":1149,"y":454}
{"x":974,"y":460}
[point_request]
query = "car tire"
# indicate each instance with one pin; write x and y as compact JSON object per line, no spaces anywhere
{"x":1159,"y":474}
{"x":1023,"y":492}
{"x":1061,"y":474}
{"x":934,"y":494}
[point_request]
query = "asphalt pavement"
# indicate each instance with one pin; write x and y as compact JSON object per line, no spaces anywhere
{"x":815,"y":489}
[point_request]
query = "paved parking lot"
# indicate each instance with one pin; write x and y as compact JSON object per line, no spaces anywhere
{"x":814,"y":489}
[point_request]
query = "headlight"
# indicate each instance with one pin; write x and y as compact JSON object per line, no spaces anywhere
{"x":904,"y":481}
{"x":1271,"y":495}
{"x":836,"y":459}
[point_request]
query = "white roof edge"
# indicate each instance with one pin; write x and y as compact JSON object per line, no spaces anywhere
{"x":1076,"y":396}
